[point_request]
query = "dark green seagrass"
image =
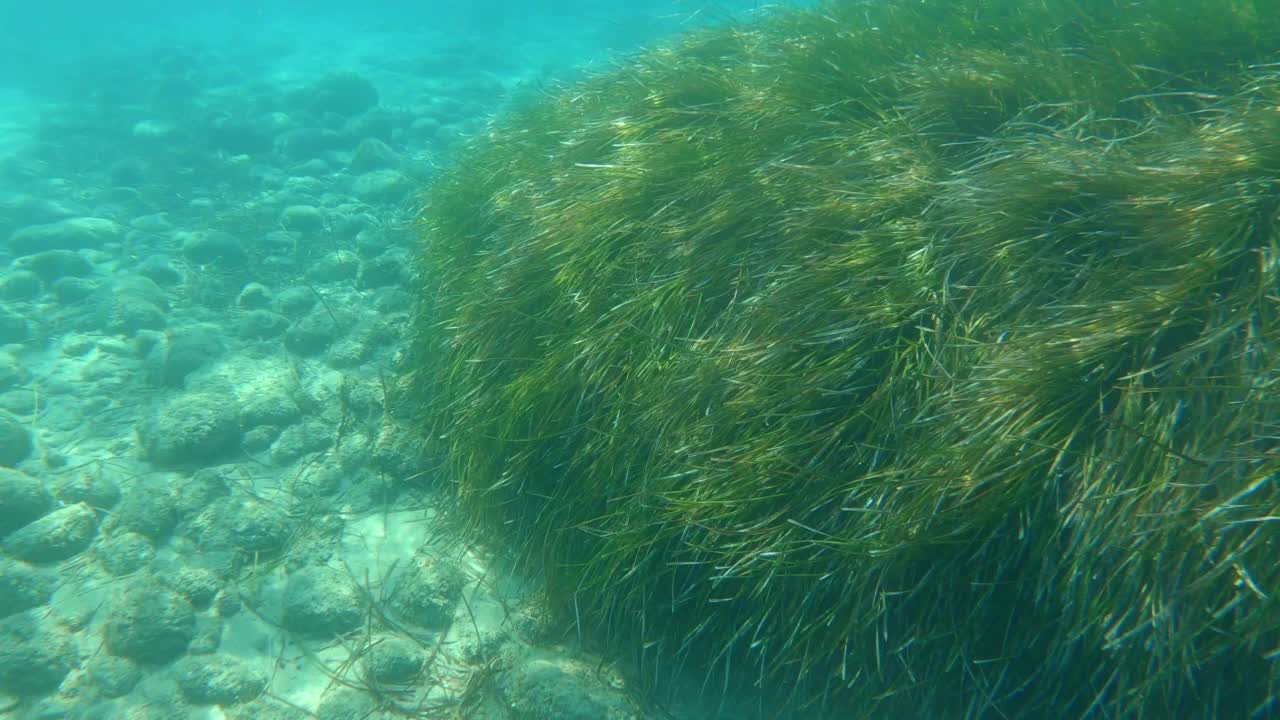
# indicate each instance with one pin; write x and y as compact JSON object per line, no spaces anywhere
{"x":902,"y":359}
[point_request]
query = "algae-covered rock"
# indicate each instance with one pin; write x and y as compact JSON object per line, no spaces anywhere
{"x":61,"y":534}
{"x":23,"y":587}
{"x":540,"y":685}
{"x":392,"y":660}
{"x":346,"y":703}
{"x":52,"y":265}
{"x":129,"y":305}
{"x":262,"y":325}
{"x":183,"y":351}
{"x":302,"y":218}
{"x":14,"y":328}
{"x":322,"y":603}
{"x":190,"y":429}
{"x":123,"y":553}
{"x":149,"y":624}
{"x":382,"y":186}
{"x":151,"y":508}
{"x":427,"y":590}
{"x":219,"y":680}
{"x":34,"y":655}
{"x":901,"y":359}
{"x":20,"y":285}
{"x":15,"y":441}
{"x":22,"y":499}
{"x":212,"y":247}
{"x":113,"y":676}
{"x":70,"y":234}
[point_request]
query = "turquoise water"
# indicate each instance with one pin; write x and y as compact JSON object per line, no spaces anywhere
{"x":205,"y":225}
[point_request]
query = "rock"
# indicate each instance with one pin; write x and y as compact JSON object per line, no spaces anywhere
{"x":23,"y":401}
{"x":373,"y":154}
{"x":149,"y":624}
{"x":248,"y":527}
{"x":208,"y":635}
{"x":349,"y":353}
{"x":392,"y":660}
{"x":349,"y":220}
{"x":540,"y":685}
{"x":71,"y":290}
{"x":151,"y":510}
{"x":124,"y":552}
{"x":260,"y":529}
{"x":212,"y":247}
{"x":11,"y":372}
{"x":302,"y":218}
{"x":198,"y":585}
{"x":184,"y":350}
{"x":34,"y":655}
{"x":238,"y":136}
{"x":20,"y":286}
{"x":424,"y":128}
{"x":113,"y":676}
{"x":341,"y":93}
{"x":271,"y":406}
{"x":23,"y":499}
{"x":13,"y":328}
{"x":160,"y":270}
{"x":383,"y":186}
{"x":337,"y":266}
{"x":296,"y":301}
{"x":259,"y":439}
{"x":22,"y":209}
{"x":94,"y":489}
{"x":190,"y":429}
{"x":51,"y":265}
{"x":390,"y":301}
{"x":143,"y":288}
{"x":376,"y":124}
{"x":130,"y":304}
{"x":227,"y":605}
{"x":298,"y":440}
{"x":320,"y":602}
{"x":154,"y":223}
{"x":23,"y":587}
{"x":61,"y":534}
{"x":427,"y":591}
{"x":390,"y":269}
{"x":262,"y":325}
{"x":205,"y":487}
{"x":219,"y":680}
{"x":15,"y":442}
{"x":311,"y":335}
{"x":313,"y":168}
{"x":254,"y":296}
{"x":83,"y":233}
{"x":372,"y":242}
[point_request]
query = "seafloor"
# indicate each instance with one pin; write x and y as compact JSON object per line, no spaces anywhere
{"x":205,"y":252}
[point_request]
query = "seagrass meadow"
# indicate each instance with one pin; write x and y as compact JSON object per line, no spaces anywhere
{"x":891,"y":359}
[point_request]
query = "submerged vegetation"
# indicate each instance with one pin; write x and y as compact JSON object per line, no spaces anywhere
{"x":917,"y":359}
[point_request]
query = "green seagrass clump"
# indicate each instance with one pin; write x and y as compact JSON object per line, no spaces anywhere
{"x":897,"y":359}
